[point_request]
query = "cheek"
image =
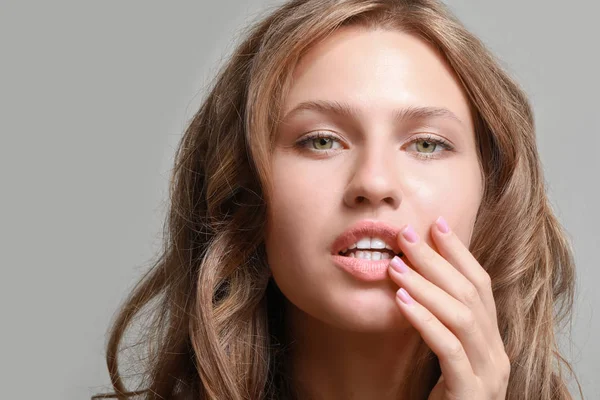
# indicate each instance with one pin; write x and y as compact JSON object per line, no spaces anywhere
{"x":299,"y":215}
{"x":300,"y":210}
{"x":455,"y":194}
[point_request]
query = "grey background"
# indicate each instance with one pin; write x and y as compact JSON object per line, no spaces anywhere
{"x":94,"y":97}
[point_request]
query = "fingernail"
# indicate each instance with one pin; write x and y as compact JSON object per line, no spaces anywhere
{"x":409,"y":234}
{"x":398,"y":265}
{"x":442,"y":225}
{"x":404,"y":296}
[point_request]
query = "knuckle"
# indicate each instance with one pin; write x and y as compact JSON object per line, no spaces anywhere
{"x":466,"y":321}
{"x":470,"y":295}
{"x":428,"y":318}
{"x":485,"y":280}
{"x":455,"y":352}
{"x":428,"y":257}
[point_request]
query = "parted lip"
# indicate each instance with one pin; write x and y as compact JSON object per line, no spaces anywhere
{"x":370,"y":228}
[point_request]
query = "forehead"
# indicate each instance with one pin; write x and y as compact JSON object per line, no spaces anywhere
{"x":379,"y":74}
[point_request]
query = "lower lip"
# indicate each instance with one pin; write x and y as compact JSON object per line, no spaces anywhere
{"x":365,"y":270}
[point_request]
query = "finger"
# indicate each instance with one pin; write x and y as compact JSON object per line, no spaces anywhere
{"x":439,"y":271}
{"x":454,"y":362}
{"x":452,"y":313}
{"x":458,"y":255}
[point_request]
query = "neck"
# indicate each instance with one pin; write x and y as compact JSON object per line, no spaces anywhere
{"x":331,"y":363}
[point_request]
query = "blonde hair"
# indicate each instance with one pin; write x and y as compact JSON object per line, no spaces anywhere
{"x":217,"y":326}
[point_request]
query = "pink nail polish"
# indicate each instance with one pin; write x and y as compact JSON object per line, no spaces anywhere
{"x":442,"y":225}
{"x":409,"y":234}
{"x":398,"y":265}
{"x":404,"y":296}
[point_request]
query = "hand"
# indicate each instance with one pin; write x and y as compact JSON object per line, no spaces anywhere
{"x":452,"y":306}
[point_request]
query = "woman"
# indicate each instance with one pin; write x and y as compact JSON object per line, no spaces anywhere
{"x":357,"y":211}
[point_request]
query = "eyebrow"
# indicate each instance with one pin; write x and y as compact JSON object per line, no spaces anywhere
{"x":346,"y":110}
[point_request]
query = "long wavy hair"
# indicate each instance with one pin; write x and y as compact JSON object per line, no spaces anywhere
{"x":213,"y":319}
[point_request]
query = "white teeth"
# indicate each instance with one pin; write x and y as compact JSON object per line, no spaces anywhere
{"x":367,"y":243}
{"x":377,"y":243}
{"x":364,"y":243}
{"x":370,"y":255}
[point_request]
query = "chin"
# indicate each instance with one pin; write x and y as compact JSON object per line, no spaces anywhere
{"x":367,"y":310}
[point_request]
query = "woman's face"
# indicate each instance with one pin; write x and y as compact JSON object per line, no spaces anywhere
{"x":369,"y":167}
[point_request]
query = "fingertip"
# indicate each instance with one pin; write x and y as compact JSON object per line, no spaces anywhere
{"x":442,"y":225}
{"x":404,"y":297}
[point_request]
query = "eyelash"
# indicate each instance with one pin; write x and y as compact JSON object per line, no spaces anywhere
{"x":428,"y":138}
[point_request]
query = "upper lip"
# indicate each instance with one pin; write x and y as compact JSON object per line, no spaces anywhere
{"x":367,"y":228}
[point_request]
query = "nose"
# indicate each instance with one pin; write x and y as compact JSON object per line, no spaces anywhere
{"x":374,"y":182}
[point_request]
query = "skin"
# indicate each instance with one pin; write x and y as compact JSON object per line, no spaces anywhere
{"x":355,"y":336}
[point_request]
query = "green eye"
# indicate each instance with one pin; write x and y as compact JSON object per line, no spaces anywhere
{"x":319,"y":142}
{"x":428,"y":145}
{"x":325,"y":144}
{"x":322,"y":143}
